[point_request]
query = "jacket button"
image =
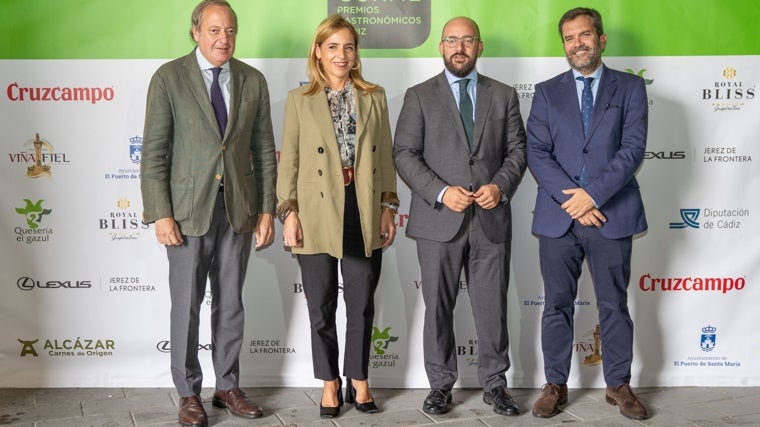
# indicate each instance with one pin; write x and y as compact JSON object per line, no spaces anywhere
{"x":319,"y":172}
{"x":218,"y":176}
{"x":585,"y":151}
{"x":472,"y":162}
{"x":320,"y":150}
{"x":577,"y":178}
{"x":374,"y":148}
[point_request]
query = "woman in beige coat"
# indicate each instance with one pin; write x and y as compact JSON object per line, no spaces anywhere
{"x":336,"y":189}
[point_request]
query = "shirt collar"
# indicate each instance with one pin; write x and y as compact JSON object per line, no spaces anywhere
{"x":597,"y":74}
{"x":204,"y":64}
{"x":453,"y":79}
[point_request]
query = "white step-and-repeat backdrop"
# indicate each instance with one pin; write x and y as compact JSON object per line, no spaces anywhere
{"x":84,"y":297}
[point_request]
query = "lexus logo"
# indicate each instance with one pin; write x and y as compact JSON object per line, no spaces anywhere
{"x":165,"y":347}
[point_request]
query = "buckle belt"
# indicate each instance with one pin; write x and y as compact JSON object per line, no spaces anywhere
{"x":348,"y":175}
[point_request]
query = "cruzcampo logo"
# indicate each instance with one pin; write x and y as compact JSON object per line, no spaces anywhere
{"x":640,"y":73}
{"x":33,"y":212}
{"x":381,"y":339}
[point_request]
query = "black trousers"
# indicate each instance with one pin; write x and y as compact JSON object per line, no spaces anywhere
{"x":360,"y":274}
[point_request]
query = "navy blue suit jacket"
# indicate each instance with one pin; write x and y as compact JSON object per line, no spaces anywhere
{"x":612,"y":151}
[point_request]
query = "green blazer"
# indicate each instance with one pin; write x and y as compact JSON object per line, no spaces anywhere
{"x":184,"y":157}
{"x":311,"y":173}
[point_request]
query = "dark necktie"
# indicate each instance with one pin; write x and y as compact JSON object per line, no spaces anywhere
{"x":217,"y":101}
{"x":465,"y":109}
{"x":587,"y":102}
{"x":587,"y":106}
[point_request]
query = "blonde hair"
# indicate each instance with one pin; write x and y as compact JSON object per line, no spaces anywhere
{"x":318,"y":81}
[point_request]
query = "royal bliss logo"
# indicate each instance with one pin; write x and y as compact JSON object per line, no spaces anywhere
{"x":122,"y":224}
{"x":729,"y":93}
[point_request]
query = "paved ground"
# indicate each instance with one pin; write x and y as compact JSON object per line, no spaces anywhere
{"x":116,"y":407}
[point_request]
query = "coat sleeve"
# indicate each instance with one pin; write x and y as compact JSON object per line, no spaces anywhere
{"x":156,"y":152}
{"x":408,"y":151}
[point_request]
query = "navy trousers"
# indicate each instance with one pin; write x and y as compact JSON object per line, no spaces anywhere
{"x":609,"y":262}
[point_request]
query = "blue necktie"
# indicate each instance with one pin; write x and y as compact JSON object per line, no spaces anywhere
{"x":465,"y":110}
{"x":587,"y":102}
{"x":217,"y":101}
{"x":587,"y":107}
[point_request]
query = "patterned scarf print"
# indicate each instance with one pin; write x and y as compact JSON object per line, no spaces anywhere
{"x":343,"y":110}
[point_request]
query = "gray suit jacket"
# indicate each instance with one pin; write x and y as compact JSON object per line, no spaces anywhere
{"x":430,"y":152}
{"x":184,"y":157}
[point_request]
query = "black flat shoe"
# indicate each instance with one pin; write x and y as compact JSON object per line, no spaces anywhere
{"x":366,"y":407}
{"x":332,"y":411}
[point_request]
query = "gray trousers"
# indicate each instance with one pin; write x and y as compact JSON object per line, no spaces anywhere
{"x":221,"y":257}
{"x":486,"y":266}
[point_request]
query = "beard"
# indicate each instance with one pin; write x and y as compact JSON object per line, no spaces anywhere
{"x":460,"y":70}
{"x":587,"y":65}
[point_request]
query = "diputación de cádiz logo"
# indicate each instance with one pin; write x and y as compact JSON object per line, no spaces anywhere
{"x":714,"y":219}
{"x":689,"y":219}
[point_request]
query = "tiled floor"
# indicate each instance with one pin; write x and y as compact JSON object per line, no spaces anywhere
{"x":116,"y":407}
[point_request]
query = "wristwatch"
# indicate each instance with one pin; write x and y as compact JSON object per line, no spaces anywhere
{"x":284,"y":215}
{"x":504,"y":199}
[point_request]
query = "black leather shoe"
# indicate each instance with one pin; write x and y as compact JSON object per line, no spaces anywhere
{"x":332,"y":411}
{"x":501,"y":401}
{"x":437,"y":401}
{"x":366,"y":407}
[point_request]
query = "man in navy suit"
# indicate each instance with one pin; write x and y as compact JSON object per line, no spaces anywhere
{"x":588,"y":205}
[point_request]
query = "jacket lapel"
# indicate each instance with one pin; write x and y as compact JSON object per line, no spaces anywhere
{"x":317,"y":105}
{"x":569,"y":102}
{"x":364,"y":107}
{"x":604,"y":93}
{"x":443,"y":91}
{"x":236,"y":88}
{"x":482,"y":106}
{"x":199,"y":91}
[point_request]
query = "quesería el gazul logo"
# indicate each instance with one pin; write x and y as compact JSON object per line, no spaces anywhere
{"x":34,"y":213}
{"x":381,"y":340}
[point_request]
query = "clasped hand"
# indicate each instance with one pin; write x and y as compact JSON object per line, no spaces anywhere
{"x":581,"y":207}
{"x":459,"y":198}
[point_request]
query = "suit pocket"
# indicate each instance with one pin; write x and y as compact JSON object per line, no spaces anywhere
{"x":182,"y":197}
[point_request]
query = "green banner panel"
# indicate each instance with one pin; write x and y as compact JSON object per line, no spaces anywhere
{"x":145,"y":29}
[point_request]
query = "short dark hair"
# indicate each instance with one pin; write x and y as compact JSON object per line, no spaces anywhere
{"x":594,"y":14}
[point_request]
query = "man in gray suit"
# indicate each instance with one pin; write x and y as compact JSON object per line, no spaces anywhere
{"x":208,"y":176}
{"x":463,"y":165}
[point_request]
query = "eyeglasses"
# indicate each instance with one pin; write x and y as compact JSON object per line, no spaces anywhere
{"x":452,"y":41}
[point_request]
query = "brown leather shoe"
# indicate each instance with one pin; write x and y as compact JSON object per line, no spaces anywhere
{"x":191,"y":412}
{"x":238,"y":404}
{"x":629,"y":404}
{"x":552,"y":397}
